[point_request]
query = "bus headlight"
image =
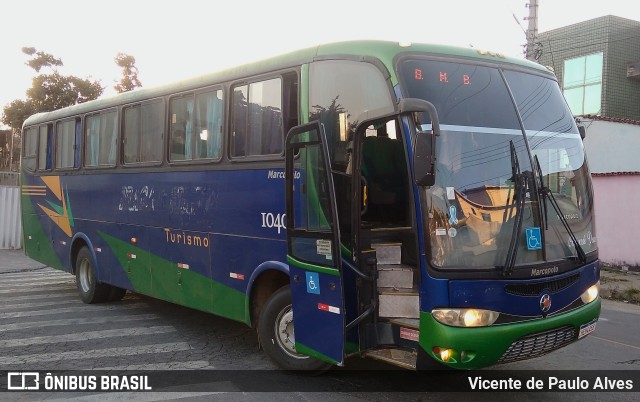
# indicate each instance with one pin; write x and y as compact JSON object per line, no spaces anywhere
{"x":591,"y":294}
{"x":465,"y":317}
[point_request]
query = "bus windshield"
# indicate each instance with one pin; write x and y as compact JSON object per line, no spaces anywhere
{"x":505,"y":137}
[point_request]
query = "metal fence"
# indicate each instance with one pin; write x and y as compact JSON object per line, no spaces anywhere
{"x":10,"y":228}
{"x":9,"y":179}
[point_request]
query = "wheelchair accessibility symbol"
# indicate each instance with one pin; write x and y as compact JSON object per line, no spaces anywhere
{"x":313,"y":283}
{"x":534,"y":238}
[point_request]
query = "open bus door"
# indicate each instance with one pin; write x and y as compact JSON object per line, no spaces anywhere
{"x":313,"y":246}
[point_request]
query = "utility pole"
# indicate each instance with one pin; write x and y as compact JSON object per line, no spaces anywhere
{"x":13,"y":133}
{"x":532,"y":29}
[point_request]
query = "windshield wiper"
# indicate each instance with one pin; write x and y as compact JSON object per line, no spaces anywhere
{"x":543,"y":204}
{"x":548,"y":194}
{"x":520,"y":188}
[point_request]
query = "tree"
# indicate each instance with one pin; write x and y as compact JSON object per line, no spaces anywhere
{"x":55,"y":91}
{"x":129,"y":80}
{"x":16,"y":112}
{"x":41,"y":59}
{"x":49,"y":91}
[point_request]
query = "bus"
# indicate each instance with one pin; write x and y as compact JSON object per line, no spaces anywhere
{"x":423,"y":205}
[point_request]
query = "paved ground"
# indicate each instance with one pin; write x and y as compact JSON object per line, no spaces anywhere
{"x":56,"y":331}
{"x":16,"y":261}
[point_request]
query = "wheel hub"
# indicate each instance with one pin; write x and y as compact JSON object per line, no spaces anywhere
{"x":85,"y":275}
{"x":285,"y":335}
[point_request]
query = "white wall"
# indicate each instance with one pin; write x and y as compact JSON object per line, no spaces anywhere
{"x":612,"y":147}
{"x":10,"y":228}
{"x":613,"y":152}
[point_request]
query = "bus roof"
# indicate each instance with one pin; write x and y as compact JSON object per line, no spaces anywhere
{"x":383,"y":50}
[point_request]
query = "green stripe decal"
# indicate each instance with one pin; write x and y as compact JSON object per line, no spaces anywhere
{"x":39,"y":246}
{"x":161,"y":278}
{"x":311,"y":267}
{"x":69,"y":214}
{"x":305,"y":350}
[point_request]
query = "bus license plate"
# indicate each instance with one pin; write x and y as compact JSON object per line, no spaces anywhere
{"x":586,"y":329}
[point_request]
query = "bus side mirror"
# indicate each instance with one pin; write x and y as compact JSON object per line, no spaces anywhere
{"x":424,"y":148}
{"x":424,"y":159}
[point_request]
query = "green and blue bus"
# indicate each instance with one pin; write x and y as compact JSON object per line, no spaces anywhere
{"x":418,"y":204}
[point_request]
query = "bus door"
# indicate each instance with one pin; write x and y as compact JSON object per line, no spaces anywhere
{"x":313,"y":246}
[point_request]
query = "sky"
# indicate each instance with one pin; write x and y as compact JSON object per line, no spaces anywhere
{"x":172,"y":40}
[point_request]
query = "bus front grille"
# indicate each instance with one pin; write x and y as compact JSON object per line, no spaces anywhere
{"x":538,"y":344}
{"x":534,"y":289}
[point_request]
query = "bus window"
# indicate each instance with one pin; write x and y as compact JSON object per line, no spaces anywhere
{"x":340,"y":90}
{"x":66,"y":144}
{"x":196,"y":126}
{"x":143,"y":130}
{"x":44,"y":147}
{"x":30,"y":148}
{"x":101,"y":138}
{"x":208,"y":124}
{"x":181,"y":112}
{"x":257,"y":119}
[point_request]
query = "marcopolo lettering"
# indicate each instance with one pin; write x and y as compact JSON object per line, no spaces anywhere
{"x":275,"y":174}
{"x":544,"y":271}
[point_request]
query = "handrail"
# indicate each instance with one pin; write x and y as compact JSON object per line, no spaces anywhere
{"x":356,"y":270}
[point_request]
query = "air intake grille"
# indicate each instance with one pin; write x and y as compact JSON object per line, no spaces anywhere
{"x":535,"y":345}
{"x":535,"y":289}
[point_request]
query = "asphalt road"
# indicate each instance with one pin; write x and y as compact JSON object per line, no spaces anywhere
{"x":44,"y":326}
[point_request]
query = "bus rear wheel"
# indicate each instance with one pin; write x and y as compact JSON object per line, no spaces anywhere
{"x":276,"y":335}
{"x":91,"y":291}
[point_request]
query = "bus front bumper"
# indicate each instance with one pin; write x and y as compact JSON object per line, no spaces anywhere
{"x":472,"y":348}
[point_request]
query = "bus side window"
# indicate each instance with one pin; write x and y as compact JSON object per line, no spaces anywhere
{"x":181,"y":128}
{"x":143,"y":132}
{"x":45,"y":135}
{"x":208,"y":124}
{"x":257,"y":119}
{"x":67,"y":133}
{"x":239,"y":120}
{"x":30,"y":148}
{"x":101,"y":138}
{"x":196,"y":126}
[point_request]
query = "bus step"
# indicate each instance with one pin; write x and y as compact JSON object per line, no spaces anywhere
{"x":398,"y":302}
{"x":399,"y":357}
{"x":388,"y":253}
{"x":412,"y":323}
{"x":395,"y":276}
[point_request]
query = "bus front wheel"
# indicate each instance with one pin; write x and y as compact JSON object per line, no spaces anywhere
{"x":276,"y":335}
{"x":91,"y":291}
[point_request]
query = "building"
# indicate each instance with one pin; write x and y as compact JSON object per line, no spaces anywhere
{"x":597,"y":63}
{"x":612,"y":147}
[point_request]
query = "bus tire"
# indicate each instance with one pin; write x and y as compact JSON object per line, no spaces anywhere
{"x":275,"y":333}
{"x":91,"y":291}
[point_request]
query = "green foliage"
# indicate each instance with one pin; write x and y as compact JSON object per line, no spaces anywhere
{"x":16,"y":112}
{"x":41,"y":59}
{"x":55,"y":91}
{"x":129,"y":80}
{"x":48,"y":91}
